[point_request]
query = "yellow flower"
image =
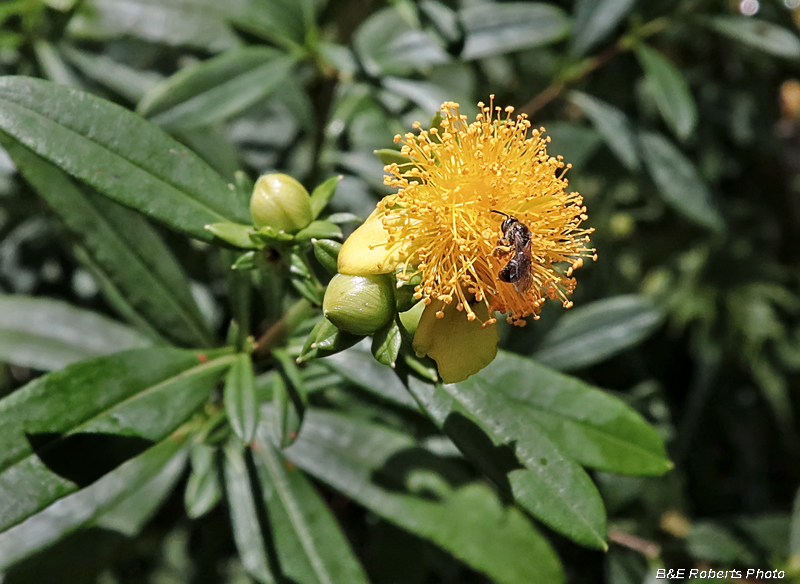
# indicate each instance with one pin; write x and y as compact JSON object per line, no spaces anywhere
{"x":440,"y":225}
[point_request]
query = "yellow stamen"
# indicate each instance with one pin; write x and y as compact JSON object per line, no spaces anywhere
{"x":441,"y":215}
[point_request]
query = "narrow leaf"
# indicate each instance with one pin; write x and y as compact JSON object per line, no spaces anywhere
{"x":203,"y":490}
{"x":587,"y":425}
{"x":48,"y":334}
{"x":496,"y":29}
{"x":147,"y":170}
{"x":612,"y":125}
{"x":678,"y":182}
{"x":517,"y":455}
{"x":386,"y":44}
{"x":88,"y":505}
{"x":130,"y":514}
{"x":322,"y":194}
{"x":589,"y":334}
{"x":395,"y":478}
{"x":126,"y":253}
{"x":240,"y":398}
{"x":66,"y":429}
{"x":670,"y":91}
{"x":173,"y":22}
{"x":310,"y":545}
{"x":759,"y":34}
{"x":594,"y":21}
{"x":217,"y":89}
{"x":247,"y":515}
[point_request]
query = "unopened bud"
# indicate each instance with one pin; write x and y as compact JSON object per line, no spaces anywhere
{"x":280,"y":202}
{"x":359,"y":304}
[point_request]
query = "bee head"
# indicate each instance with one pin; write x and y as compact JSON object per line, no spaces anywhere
{"x":507,"y":222}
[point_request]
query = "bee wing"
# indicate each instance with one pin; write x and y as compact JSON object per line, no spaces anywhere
{"x":523,"y":274}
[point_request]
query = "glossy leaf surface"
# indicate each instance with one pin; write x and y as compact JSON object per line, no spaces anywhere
{"x":217,"y":89}
{"x":678,"y":182}
{"x":391,"y":475}
{"x":670,"y":91}
{"x":310,"y":545}
{"x":127,"y":256}
{"x":66,"y":429}
{"x":496,"y":29}
{"x":88,"y":505}
{"x":48,"y":334}
{"x":148,"y":170}
{"x":589,"y":334}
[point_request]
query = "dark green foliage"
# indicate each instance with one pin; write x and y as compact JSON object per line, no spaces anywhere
{"x":166,"y":418}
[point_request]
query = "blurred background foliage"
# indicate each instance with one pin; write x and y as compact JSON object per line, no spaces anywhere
{"x":681,"y":119}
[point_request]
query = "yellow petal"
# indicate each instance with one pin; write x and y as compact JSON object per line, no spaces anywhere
{"x":368,"y":251}
{"x":459,"y":346}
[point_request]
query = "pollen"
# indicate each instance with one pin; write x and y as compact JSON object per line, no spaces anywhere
{"x":442,"y":213}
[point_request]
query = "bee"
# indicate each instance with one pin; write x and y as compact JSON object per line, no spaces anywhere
{"x":517,"y":238}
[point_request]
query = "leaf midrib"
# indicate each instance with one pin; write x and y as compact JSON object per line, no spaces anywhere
{"x":163,"y":180}
{"x":557,"y":492}
{"x":593,"y":429}
{"x":295,"y":515}
{"x":186,"y":373}
{"x":185,"y":312}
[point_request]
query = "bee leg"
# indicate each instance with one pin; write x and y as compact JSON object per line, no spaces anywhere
{"x":503,"y":248}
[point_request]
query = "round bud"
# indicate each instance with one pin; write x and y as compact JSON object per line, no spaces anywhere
{"x":280,"y":202}
{"x":359,"y":304}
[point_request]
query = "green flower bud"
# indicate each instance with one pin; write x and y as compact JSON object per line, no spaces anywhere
{"x":280,"y":202}
{"x":359,"y":304}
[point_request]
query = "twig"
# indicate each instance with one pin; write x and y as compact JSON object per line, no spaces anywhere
{"x":644,"y":547}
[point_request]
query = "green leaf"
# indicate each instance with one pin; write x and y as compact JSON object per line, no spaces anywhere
{"x":147,"y":170}
{"x":613,"y":127}
{"x":670,"y":91}
{"x":594,"y":21}
{"x":240,"y":398}
{"x":424,"y":94}
{"x":587,"y":425}
{"x":594,"y":332}
{"x":576,"y":143}
{"x":125,"y":253}
{"x":325,"y":339}
{"x":327,"y":253}
{"x":678,"y":182}
{"x":386,"y":344}
{"x":496,"y":29}
{"x":759,"y":34}
{"x":359,"y":367}
{"x":502,"y":439}
{"x":173,"y":22}
{"x":203,"y":490}
{"x":319,"y":230}
{"x":713,"y":543}
{"x":130,"y":514}
{"x":48,"y":335}
{"x":215,"y":90}
{"x":53,"y":66}
{"x":288,"y":416}
{"x":388,"y":45}
{"x":323,"y":194}
{"x":391,"y":475}
{"x":88,"y":505}
{"x":310,"y":545}
{"x":95,"y":410}
{"x":130,"y":83}
{"x":392,"y":156}
{"x":241,"y":236}
{"x":247,"y":515}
